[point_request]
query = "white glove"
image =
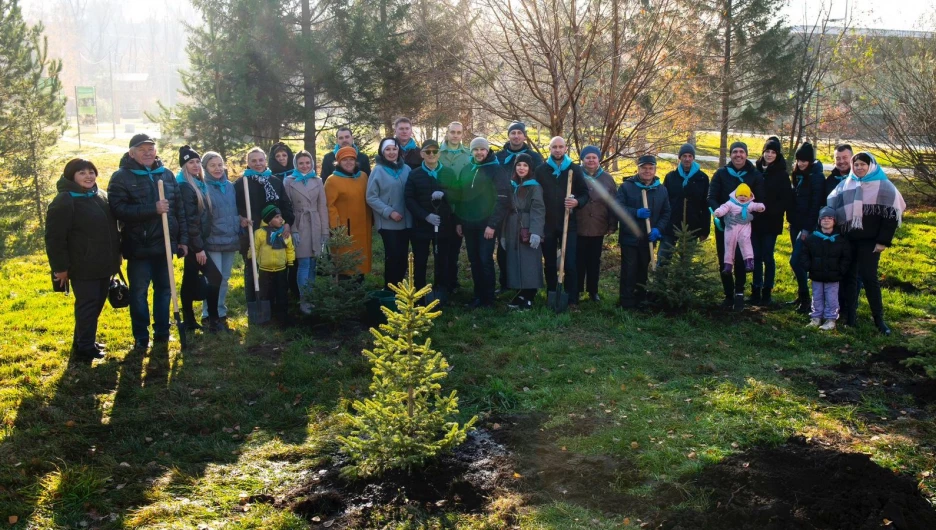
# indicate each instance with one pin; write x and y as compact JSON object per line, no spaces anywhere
{"x":503,"y":243}
{"x":437,"y":195}
{"x":534,"y":241}
{"x":433,"y":219}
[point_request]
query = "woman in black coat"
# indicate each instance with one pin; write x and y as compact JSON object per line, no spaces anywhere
{"x":808,"y":197}
{"x":83,"y":246}
{"x":768,"y":225}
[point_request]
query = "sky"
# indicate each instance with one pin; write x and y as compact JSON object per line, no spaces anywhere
{"x":879,"y":14}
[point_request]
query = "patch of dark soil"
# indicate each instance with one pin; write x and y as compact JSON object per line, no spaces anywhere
{"x":549,"y":472}
{"x":800,"y":486}
{"x":462,"y":481}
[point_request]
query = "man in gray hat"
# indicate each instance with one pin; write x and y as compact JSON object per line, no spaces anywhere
{"x":134,"y":199}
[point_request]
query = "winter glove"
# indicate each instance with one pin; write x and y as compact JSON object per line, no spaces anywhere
{"x":434,"y":219}
{"x":534,"y":241}
{"x":437,"y":195}
{"x":643,"y":213}
{"x":655,"y":235}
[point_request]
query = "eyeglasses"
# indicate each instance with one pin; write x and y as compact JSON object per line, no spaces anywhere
{"x":431,"y":152}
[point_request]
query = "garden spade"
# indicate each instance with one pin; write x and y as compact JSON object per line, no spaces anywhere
{"x":258,"y":311}
{"x":172,"y":285}
{"x":558,"y":300}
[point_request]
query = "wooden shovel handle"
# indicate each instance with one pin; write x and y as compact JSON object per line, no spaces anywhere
{"x":250,"y":235}
{"x":160,"y":186}
{"x":643,"y":195}
{"x":565,"y":229}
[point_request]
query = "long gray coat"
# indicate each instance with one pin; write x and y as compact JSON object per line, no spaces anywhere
{"x":527,"y":210}
{"x":311,"y":211}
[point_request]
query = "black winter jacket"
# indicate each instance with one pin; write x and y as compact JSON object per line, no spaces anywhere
{"x":81,"y":234}
{"x":509,"y":166}
{"x":419,"y":188}
{"x":199,"y":224}
{"x":832,"y":181}
{"x":826,"y":261}
{"x":482,"y":195}
{"x":411,"y":158}
{"x":723,"y":183}
{"x":777,"y":198}
{"x":258,"y":201}
{"x":554,"y":194}
{"x":132,"y":200}
{"x":695,"y":196}
{"x":808,"y":197}
{"x":630,"y":198}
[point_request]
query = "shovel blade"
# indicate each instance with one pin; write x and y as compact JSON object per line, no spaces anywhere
{"x":258,"y":312}
{"x":183,"y":341}
{"x":558,"y":300}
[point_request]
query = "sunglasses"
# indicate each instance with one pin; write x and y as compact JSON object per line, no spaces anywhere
{"x":431,"y":151}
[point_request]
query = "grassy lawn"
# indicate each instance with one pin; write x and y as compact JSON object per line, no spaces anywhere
{"x":168,"y":439}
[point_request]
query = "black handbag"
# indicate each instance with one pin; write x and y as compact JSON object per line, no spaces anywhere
{"x":118,"y":294}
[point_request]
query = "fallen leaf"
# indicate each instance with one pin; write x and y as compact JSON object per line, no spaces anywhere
{"x":13,"y":519}
{"x":627,"y":520}
{"x":327,"y":524}
{"x":517,"y":475}
{"x":591,"y":370}
{"x":635,"y":445}
{"x":692,"y":455}
{"x":120,"y":486}
{"x":887,"y":522}
{"x":734,"y":445}
{"x":70,"y":423}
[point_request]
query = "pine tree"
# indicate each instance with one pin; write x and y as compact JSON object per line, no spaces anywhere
{"x":338,"y":295}
{"x":32,"y":108}
{"x":686,"y":277}
{"x":407,"y":420}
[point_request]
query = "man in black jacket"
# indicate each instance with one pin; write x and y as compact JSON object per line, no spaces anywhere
{"x":738,"y":170}
{"x":553,"y":176}
{"x":409,"y":149}
{"x":433,"y":223}
{"x":344,"y":138}
{"x":843,"y":157}
{"x":134,"y":199}
{"x":687,"y":188}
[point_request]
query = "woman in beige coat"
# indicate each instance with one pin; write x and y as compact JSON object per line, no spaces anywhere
{"x":310,"y":230}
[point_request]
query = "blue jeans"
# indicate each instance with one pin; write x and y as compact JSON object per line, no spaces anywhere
{"x":224,"y":261}
{"x":765,"y":266}
{"x":800,"y":273}
{"x":140,"y":272}
{"x":305,"y":273}
{"x":481,"y":256}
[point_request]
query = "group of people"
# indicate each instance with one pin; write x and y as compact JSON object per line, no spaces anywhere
{"x":509,"y":207}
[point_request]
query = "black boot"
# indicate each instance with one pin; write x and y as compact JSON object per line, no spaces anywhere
{"x":188,"y":317}
{"x":805,"y":303}
{"x":755,"y":298}
{"x":882,"y":326}
{"x":738,"y":302}
{"x":212,"y":325}
{"x":765,"y":299}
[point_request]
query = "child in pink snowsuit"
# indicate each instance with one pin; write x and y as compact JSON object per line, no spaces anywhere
{"x":737,"y":217}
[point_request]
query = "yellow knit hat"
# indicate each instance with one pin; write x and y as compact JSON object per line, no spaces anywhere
{"x":743,"y":190}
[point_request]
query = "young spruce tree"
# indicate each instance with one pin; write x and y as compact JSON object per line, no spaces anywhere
{"x":686,"y":276}
{"x":338,"y":295}
{"x":407,"y":420}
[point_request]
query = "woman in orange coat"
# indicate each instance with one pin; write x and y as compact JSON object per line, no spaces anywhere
{"x":345,"y":193}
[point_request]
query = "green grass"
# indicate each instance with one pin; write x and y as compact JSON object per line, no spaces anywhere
{"x":174,"y":440}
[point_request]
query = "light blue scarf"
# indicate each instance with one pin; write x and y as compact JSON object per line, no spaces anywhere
{"x":744,"y":207}
{"x":432,"y":173}
{"x":149,"y":172}
{"x":276,"y":233}
{"x":512,"y":154}
{"x":557,"y":170}
{"x":736,"y":174}
{"x":686,"y":176}
{"x":303,"y":178}
{"x":221,"y":183}
{"x":180,"y":178}
{"x":824,"y":237}
{"x":654,"y":184}
{"x":84,"y":195}
{"x":590,"y":178}
{"x":410,"y":145}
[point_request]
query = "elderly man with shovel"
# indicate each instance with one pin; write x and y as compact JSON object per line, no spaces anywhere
{"x":646,"y":202}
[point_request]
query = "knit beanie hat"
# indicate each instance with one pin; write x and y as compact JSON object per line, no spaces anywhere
{"x":590,"y":150}
{"x":517,"y":126}
{"x":526,"y":159}
{"x":736,"y":145}
{"x":687,"y":148}
{"x":186,"y":153}
{"x":773,"y":144}
{"x":806,"y":152}
{"x":827,"y":211}
{"x":479,"y":142}
{"x":743,"y":190}
{"x":346,"y":152}
{"x":386,"y":142}
{"x":269,"y":212}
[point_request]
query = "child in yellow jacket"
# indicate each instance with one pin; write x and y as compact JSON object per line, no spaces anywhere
{"x":274,"y":254}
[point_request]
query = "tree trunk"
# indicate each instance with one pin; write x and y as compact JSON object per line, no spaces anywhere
{"x":308,"y":90}
{"x":726,"y":87}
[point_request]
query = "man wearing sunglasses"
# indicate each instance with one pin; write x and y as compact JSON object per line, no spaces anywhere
{"x":427,"y":200}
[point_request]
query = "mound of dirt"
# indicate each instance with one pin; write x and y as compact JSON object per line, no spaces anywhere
{"x":461,"y":481}
{"x":800,"y":486}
